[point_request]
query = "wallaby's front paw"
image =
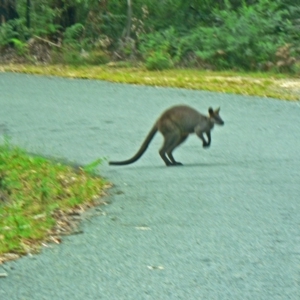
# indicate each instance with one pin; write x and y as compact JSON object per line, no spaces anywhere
{"x":206,"y":145}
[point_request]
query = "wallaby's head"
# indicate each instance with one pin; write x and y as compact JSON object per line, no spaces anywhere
{"x":215,"y":117}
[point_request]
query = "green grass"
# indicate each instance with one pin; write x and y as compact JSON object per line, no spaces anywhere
{"x":255,"y":84}
{"x":36,"y":194}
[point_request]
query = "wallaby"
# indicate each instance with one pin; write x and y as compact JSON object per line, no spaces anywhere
{"x":176,"y":124}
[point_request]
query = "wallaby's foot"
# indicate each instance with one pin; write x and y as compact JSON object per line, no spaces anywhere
{"x":206,"y":145}
{"x":175,"y":164}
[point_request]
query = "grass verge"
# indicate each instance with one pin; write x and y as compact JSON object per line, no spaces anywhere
{"x":40,"y":200}
{"x":253,"y":84}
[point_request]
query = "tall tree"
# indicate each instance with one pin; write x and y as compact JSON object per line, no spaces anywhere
{"x":28,"y":8}
{"x":8,"y":10}
{"x":129,"y":19}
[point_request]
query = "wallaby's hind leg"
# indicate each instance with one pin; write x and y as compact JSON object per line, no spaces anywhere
{"x":174,"y":162}
{"x":170,"y":150}
{"x":170,"y":141}
{"x":172,"y":138}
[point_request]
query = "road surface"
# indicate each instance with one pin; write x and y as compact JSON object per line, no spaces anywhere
{"x":226,"y":225}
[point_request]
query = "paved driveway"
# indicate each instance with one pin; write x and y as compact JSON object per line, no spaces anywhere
{"x":226,"y":225}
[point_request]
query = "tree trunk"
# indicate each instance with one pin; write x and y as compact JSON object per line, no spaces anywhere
{"x":129,"y":17}
{"x":8,"y":10}
{"x":28,"y":8}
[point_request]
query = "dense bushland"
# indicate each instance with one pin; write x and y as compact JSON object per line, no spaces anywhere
{"x":222,"y":34}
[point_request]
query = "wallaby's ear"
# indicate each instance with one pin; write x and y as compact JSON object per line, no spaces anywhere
{"x":217,"y":110}
{"x":210,"y":111}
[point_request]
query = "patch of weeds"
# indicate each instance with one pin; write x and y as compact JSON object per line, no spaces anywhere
{"x":97,"y":58}
{"x":34,"y":191}
{"x":91,"y":167}
{"x":73,"y":57}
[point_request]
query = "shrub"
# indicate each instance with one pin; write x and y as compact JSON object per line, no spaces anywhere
{"x":73,"y":34}
{"x":159,"y":61}
{"x":165,"y":41}
{"x":245,"y":38}
{"x":22,"y":48}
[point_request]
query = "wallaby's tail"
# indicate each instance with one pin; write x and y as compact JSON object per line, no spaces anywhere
{"x":141,"y":150}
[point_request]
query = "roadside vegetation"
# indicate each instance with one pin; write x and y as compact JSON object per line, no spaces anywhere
{"x":41,"y":200}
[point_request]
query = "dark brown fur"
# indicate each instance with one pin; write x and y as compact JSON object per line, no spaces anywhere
{"x":176,"y":124}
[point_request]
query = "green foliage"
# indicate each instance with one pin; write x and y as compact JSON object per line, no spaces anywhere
{"x":21,"y":47}
{"x":245,"y":38}
{"x":159,"y":61}
{"x":73,"y":34}
{"x":79,"y":49}
{"x":7,"y":33}
{"x":43,"y":19}
{"x":12,"y":33}
{"x":220,"y":34}
{"x":161,"y":46}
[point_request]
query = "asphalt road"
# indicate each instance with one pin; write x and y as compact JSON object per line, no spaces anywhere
{"x":226,"y":225}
